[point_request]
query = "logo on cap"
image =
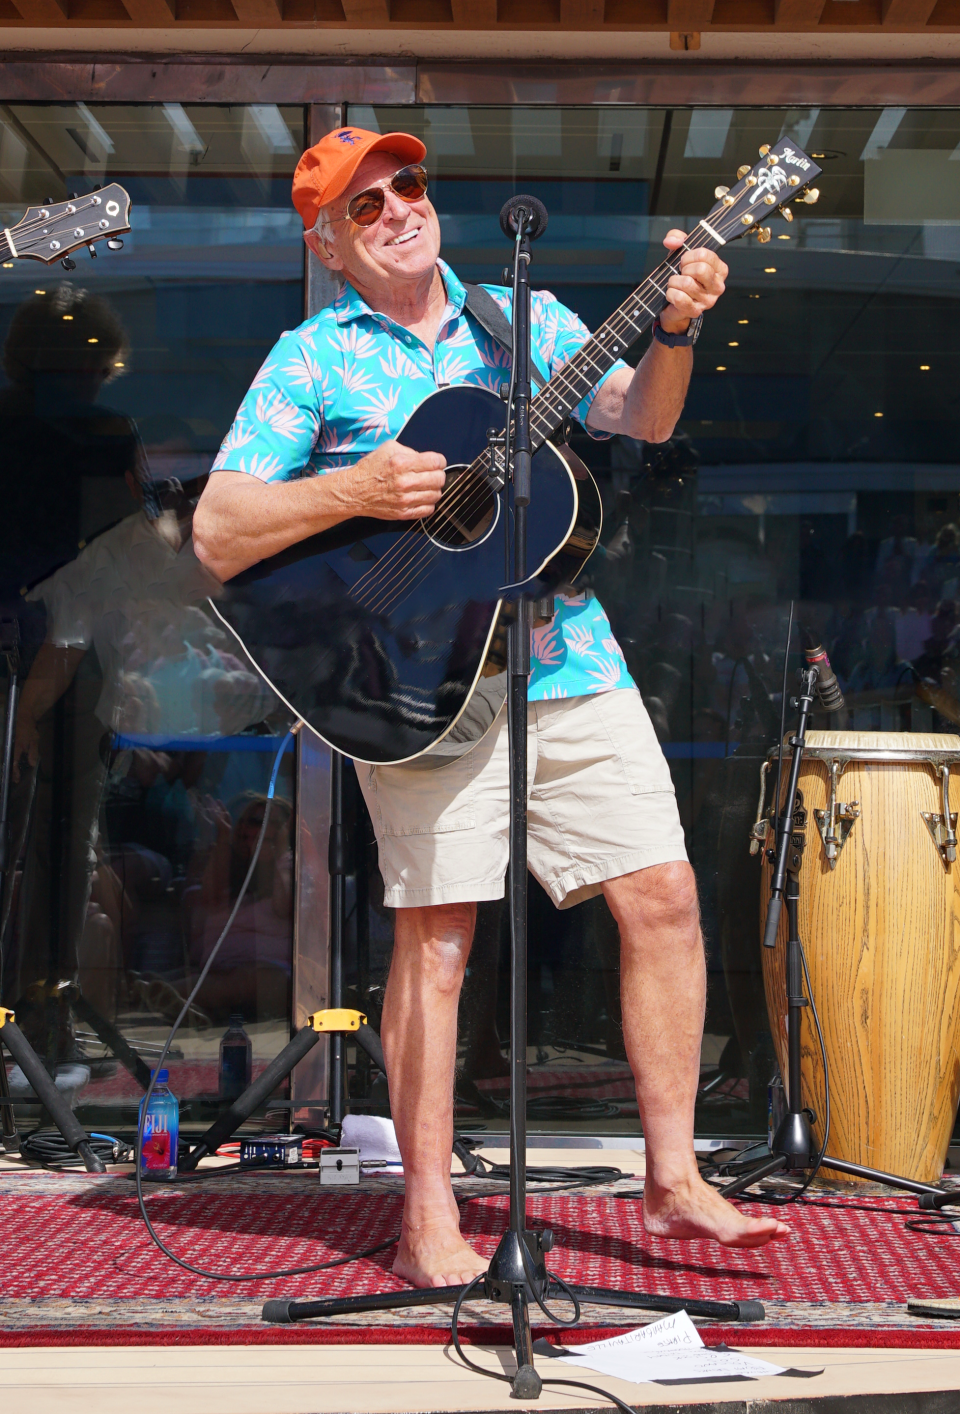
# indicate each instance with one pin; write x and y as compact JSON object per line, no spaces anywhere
{"x":347,"y":136}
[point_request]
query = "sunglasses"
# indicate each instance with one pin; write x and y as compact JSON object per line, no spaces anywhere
{"x":366,"y":208}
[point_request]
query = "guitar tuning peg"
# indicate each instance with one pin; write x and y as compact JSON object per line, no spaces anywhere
{"x":68,"y":264}
{"x":93,"y":251}
{"x":764,"y":149}
{"x":720,"y":192}
{"x":115,"y":244}
{"x":72,"y":195}
{"x":811,"y":197}
{"x":763,"y":234}
{"x":98,"y":187}
{"x":742,"y":171}
{"x":48,"y":201}
{"x":786,"y":213}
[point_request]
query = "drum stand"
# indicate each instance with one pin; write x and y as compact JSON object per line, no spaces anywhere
{"x":794,"y":1147}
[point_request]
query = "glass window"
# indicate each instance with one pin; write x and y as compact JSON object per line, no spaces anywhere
{"x":815,"y":461}
{"x":145,"y":739}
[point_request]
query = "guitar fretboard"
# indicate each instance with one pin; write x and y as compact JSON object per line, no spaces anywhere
{"x":574,"y":381}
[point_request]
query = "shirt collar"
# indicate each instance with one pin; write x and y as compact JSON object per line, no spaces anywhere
{"x":349,"y":306}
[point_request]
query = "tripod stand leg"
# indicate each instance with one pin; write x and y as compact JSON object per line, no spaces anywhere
{"x":48,"y":1095}
{"x":112,"y":1039}
{"x":737,"y":1185}
{"x":8,"y":1124}
{"x":526,"y":1382}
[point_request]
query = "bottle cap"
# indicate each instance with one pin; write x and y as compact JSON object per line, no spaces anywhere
{"x":161,"y":1076}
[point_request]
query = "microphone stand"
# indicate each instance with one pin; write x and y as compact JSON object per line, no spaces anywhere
{"x":794,"y":1147}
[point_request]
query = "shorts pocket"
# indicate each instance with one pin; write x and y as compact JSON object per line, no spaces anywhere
{"x":422,"y":802}
{"x":628,"y":727}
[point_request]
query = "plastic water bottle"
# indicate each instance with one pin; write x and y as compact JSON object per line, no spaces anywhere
{"x":236,"y":1060}
{"x":161,"y":1132}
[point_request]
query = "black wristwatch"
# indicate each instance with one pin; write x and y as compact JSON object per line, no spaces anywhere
{"x":679,"y":341}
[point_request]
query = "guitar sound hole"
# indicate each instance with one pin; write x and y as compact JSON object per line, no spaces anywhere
{"x":466,"y":512}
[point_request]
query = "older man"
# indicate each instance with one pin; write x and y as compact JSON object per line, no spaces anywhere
{"x":333,"y":396}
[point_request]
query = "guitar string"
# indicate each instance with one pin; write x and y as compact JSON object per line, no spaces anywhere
{"x":559,"y":381}
{"x":426,"y":550}
{"x":613,"y":326}
{"x":470,"y":500}
{"x":425,"y":547}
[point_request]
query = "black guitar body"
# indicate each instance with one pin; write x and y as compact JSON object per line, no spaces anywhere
{"x":382,"y":635}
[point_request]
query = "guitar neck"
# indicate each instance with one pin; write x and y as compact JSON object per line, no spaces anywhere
{"x":574,"y":381}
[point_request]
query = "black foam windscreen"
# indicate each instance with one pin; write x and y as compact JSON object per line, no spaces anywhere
{"x":536,"y":216}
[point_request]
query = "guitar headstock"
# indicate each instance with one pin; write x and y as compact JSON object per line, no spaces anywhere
{"x":782,"y":175}
{"x":50,"y":232}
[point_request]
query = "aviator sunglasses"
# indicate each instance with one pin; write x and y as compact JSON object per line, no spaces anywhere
{"x":366,"y":208}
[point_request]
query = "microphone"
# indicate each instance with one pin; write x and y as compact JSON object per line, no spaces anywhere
{"x":536,"y":217}
{"x":828,"y":689}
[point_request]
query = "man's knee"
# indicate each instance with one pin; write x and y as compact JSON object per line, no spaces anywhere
{"x":442,"y":935}
{"x":661,"y":897}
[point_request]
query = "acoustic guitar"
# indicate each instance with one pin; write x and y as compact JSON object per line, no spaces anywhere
{"x":386,"y":637}
{"x":52,"y":232}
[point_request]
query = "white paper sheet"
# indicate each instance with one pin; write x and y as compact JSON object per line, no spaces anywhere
{"x":669,"y":1349}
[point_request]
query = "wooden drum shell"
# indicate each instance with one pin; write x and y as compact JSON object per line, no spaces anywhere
{"x":881,"y":934}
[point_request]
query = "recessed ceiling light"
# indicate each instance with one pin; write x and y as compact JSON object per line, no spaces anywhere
{"x":119,"y":365}
{"x":721,"y":368}
{"x":743,"y":321}
{"x":753,"y":296}
{"x":878,"y":414}
{"x":39,"y":292}
{"x":769,"y":270}
{"x":68,"y":318}
{"x":93,"y":341}
{"x":733,"y":344}
{"x":924,"y":368}
{"x":783,"y":236}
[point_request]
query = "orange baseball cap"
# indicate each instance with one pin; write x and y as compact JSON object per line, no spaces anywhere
{"x":325,"y":170}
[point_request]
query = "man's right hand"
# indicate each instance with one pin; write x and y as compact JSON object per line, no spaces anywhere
{"x":393,"y":483}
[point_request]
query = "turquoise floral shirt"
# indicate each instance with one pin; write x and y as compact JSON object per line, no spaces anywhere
{"x":349,"y":378}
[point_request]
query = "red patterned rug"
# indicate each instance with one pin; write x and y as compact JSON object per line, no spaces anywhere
{"x":82,"y":1269}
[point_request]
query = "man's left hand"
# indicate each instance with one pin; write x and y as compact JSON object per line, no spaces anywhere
{"x":695,"y":288}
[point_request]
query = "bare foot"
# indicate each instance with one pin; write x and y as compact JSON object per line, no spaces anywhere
{"x":694,"y":1209}
{"x":436,"y":1256}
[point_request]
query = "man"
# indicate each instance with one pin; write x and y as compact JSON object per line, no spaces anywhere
{"x":333,"y":396}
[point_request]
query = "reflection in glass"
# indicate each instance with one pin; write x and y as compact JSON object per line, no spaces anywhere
{"x":144,"y":743}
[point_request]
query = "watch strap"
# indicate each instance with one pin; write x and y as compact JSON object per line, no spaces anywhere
{"x":679,"y":341}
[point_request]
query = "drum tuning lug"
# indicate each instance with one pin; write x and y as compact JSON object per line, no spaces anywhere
{"x":836,"y":822}
{"x":943,"y":826}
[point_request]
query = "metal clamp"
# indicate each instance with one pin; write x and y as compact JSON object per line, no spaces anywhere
{"x":943,"y":827}
{"x":337,"y":1018}
{"x":761,"y":826}
{"x":836,"y":822}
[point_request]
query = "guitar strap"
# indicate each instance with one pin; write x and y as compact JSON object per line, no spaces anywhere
{"x":491,"y":317}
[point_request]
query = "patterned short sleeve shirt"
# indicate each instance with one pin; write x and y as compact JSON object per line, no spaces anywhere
{"x":349,"y":378}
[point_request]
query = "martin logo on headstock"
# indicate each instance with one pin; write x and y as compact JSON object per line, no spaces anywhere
{"x":51,"y":232}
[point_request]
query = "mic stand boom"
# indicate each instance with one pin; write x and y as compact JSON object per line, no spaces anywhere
{"x":794,"y":1147}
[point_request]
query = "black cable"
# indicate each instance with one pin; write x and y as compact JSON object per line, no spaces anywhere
{"x":49,"y":1148}
{"x":199,"y":1271}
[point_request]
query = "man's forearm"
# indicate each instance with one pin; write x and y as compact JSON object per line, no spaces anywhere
{"x":241,"y":520}
{"x":647,"y":403}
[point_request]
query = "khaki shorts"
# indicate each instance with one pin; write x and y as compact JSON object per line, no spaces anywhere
{"x":601,"y":804}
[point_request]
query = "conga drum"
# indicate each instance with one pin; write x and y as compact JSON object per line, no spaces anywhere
{"x":879,"y":918}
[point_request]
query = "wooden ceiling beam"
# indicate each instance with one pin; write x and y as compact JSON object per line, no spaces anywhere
{"x":151,"y":13}
{"x":474,"y":14}
{"x":912,"y":13}
{"x":360,"y":13}
{"x":581,"y":14}
{"x":255,"y":12}
{"x":689,"y":16}
{"x":42,"y":12}
{"x":797,"y":14}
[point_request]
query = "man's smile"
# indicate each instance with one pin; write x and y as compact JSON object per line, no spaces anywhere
{"x":406,"y":236}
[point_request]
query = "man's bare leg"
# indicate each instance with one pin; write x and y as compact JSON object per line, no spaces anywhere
{"x":419,"y":1033}
{"x":663,"y":986}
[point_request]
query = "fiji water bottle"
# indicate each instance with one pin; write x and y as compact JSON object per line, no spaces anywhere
{"x":236,"y":1060}
{"x":161,"y":1131}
